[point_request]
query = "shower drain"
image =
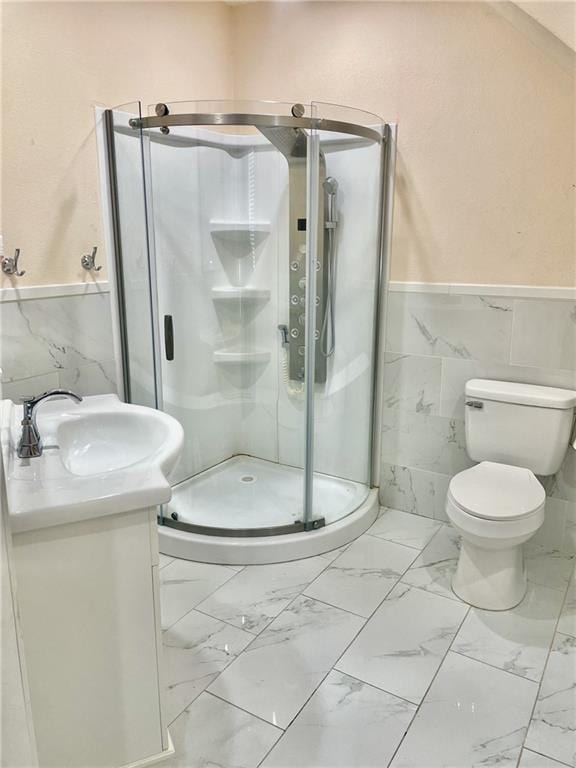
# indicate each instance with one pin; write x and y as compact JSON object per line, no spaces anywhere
{"x":247,"y":479}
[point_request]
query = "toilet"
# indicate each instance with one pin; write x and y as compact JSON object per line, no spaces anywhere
{"x":515,"y":432}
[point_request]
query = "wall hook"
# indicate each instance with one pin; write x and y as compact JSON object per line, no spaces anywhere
{"x":10,"y":264}
{"x":88,"y":261}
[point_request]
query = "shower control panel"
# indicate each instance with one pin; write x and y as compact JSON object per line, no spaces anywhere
{"x":297,"y":288}
{"x":293,"y":144}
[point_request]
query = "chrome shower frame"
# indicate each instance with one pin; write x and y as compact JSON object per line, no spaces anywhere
{"x":264,"y":123}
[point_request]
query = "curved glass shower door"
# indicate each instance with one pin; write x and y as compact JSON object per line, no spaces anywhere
{"x":264,"y":227}
{"x":222,"y":198}
{"x":344,"y":401}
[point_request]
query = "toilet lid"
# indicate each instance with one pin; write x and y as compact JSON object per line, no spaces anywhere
{"x":497,"y":491}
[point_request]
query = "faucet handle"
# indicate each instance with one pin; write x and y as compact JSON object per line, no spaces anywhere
{"x":28,"y":398}
{"x":31,"y":399}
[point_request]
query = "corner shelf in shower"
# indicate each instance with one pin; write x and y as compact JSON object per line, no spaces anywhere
{"x":240,"y":231}
{"x":232,"y":293}
{"x":240,"y":357}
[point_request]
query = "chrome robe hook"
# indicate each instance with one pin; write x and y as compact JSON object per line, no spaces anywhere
{"x":10,"y":265}
{"x":88,"y":261}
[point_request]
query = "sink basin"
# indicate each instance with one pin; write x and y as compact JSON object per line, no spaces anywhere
{"x":107,"y":442}
{"x":100,"y":457}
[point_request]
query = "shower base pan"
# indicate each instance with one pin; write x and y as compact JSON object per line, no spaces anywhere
{"x":251,"y":495}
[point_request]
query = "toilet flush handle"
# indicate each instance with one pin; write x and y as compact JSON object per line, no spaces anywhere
{"x":475,"y":404}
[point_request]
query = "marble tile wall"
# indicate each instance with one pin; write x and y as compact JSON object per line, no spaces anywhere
{"x":435,"y":343}
{"x":63,"y":341}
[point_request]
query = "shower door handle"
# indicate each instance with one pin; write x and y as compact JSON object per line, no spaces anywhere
{"x":169,"y":337}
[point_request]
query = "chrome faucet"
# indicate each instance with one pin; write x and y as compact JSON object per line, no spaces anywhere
{"x":30,"y":445}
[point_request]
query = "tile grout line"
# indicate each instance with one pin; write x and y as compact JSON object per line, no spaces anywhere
{"x":329,"y":564}
{"x":333,"y":667}
{"x":165,"y":629}
{"x":205,"y":689}
{"x":234,"y":573}
{"x":454,"y":599}
{"x":367,"y":618}
{"x":512,"y":331}
{"x":398,"y":581}
{"x":400,"y":543}
{"x":352,"y":677}
{"x":440,"y":666}
{"x":273,"y":747}
{"x":323,"y":677}
{"x":302,"y":594}
{"x":246,"y":711}
{"x":492,"y":666}
{"x":228,"y":623}
{"x":291,"y":600}
{"x":321,"y":681}
{"x":535,"y":751}
{"x":554,"y":633}
{"x":426,"y":472}
{"x":286,"y":607}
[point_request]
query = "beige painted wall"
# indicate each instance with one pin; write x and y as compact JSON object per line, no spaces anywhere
{"x":486,"y":113}
{"x":59,"y":59}
{"x":557,"y":17}
{"x":486,"y":126}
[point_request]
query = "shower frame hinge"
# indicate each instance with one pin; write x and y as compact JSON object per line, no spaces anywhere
{"x":313,"y":525}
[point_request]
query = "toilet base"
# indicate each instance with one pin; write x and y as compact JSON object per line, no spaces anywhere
{"x":493,"y":579}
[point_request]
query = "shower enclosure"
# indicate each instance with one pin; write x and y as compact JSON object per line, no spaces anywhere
{"x":249,"y":246}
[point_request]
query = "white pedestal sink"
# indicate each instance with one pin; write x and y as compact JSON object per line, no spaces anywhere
{"x":83,"y":520}
{"x":101,"y":456}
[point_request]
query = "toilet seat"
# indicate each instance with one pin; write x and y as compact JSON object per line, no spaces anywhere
{"x":499,"y":492}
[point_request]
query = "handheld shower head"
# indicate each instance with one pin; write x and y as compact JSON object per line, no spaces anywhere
{"x":330,"y":185}
{"x":328,"y":331}
{"x":331,"y":190}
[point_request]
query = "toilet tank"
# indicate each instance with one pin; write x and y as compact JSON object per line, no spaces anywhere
{"x":520,"y":424}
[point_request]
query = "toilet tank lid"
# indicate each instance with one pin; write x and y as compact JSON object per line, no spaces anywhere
{"x":523,"y":394}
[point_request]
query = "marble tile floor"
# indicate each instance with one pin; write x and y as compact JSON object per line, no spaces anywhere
{"x":365,"y":658}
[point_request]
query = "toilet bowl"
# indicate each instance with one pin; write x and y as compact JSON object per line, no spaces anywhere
{"x":514,"y":431}
{"x":496,"y":508}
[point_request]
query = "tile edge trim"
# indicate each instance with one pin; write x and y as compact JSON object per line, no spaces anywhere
{"x":480,"y":289}
{"x":29,"y":292}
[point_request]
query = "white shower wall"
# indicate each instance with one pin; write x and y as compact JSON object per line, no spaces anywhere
{"x":198,"y":191}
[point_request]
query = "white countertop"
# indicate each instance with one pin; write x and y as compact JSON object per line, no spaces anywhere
{"x":43,"y":491}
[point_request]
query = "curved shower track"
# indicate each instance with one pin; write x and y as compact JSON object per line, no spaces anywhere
{"x":250,"y":245}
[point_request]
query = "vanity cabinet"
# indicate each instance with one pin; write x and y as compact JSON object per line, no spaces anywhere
{"x":89,"y":609}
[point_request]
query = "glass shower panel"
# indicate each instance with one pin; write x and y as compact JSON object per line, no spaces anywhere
{"x":221,"y":210}
{"x":134,"y":280}
{"x":346,"y":329}
{"x":248,"y":301}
